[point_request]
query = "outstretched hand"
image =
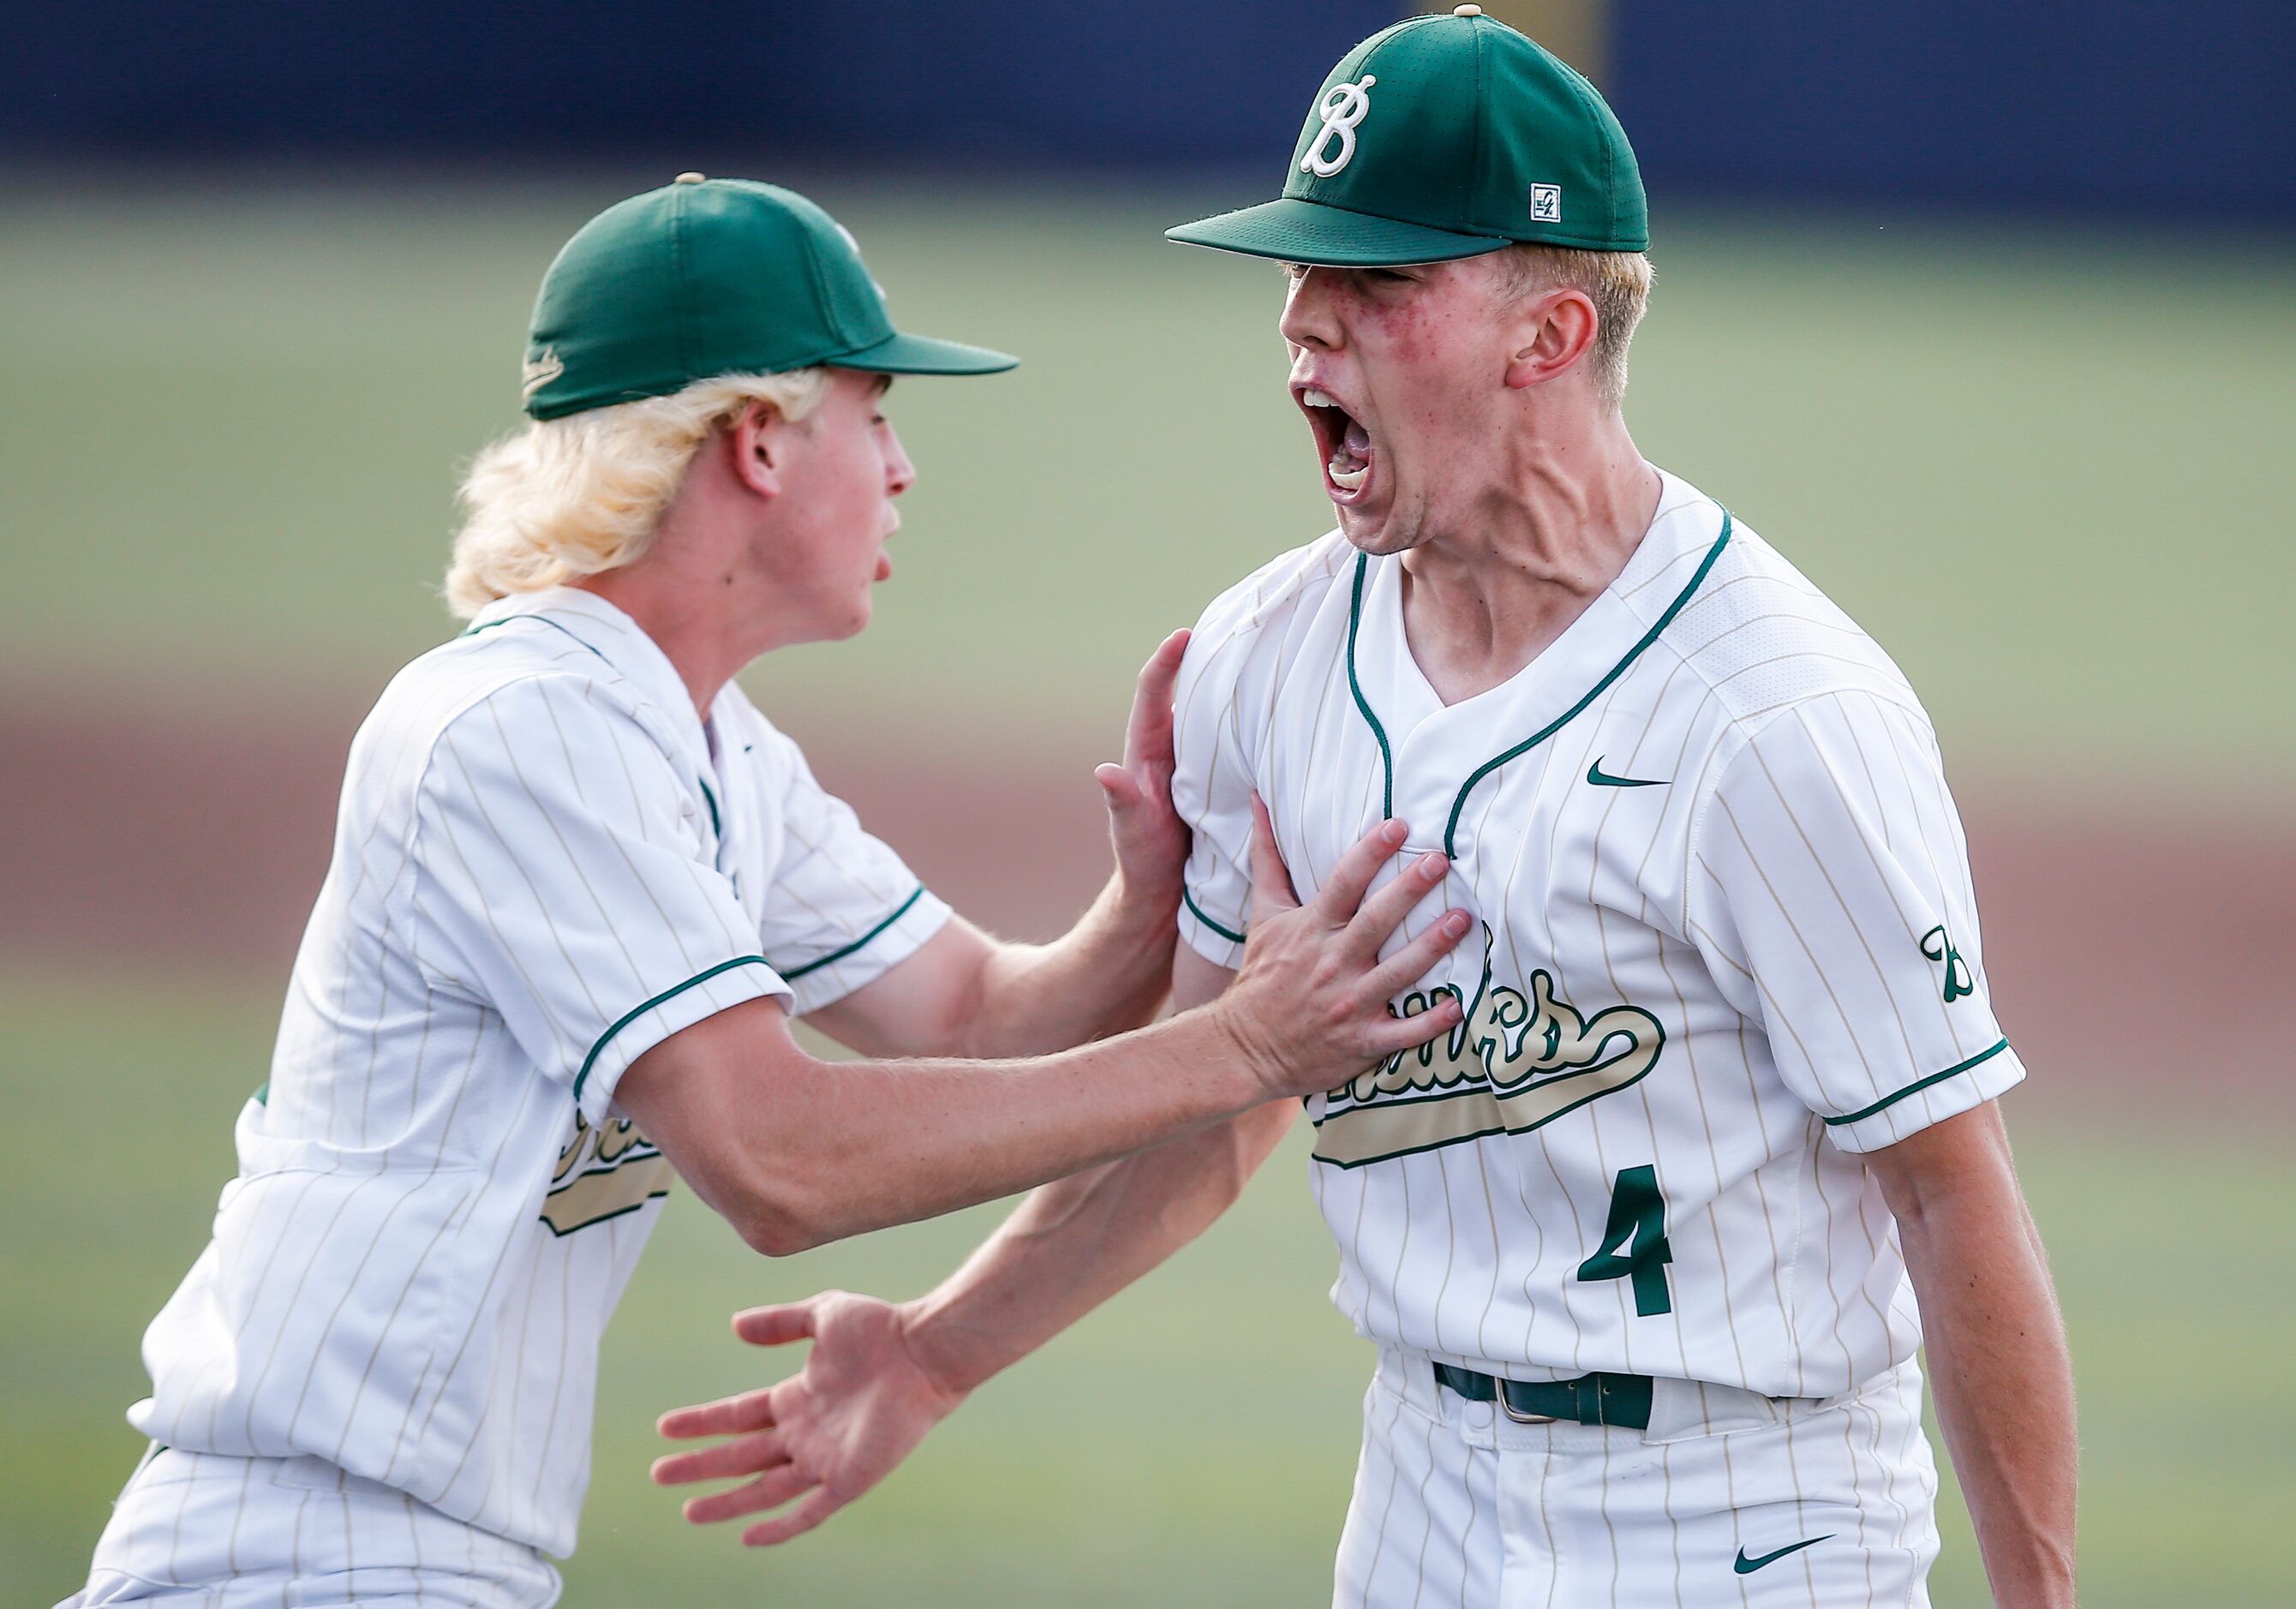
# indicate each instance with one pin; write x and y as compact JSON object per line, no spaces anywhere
{"x":819,"y":1438}
{"x":1150,"y":840}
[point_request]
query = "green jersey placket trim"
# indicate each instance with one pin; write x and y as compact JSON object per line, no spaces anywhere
{"x":1386,"y":754}
{"x":1459,"y":806}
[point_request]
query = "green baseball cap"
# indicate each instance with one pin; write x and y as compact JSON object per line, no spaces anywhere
{"x":1442,"y":138}
{"x":705,"y":277}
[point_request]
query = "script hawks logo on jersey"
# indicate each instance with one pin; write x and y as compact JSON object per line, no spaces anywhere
{"x":1518,"y":1061}
{"x":1342,"y":108}
{"x":603,"y":1173}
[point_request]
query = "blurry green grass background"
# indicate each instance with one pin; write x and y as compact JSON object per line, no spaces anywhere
{"x":1193,"y":1441}
{"x":2041,"y":471}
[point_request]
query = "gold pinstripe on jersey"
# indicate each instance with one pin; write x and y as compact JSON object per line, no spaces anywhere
{"x":1758,"y":910}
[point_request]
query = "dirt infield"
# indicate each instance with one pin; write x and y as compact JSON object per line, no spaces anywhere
{"x":2138,"y":958}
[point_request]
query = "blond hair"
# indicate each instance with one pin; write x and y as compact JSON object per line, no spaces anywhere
{"x":1618,"y":284}
{"x":582,"y":495}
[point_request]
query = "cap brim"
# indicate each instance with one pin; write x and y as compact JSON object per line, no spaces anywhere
{"x":1295,"y":231}
{"x":905,"y":354}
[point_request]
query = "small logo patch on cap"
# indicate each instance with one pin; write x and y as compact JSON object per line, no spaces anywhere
{"x":1341,"y":108}
{"x":539,"y":371}
{"x":1546,"y":203}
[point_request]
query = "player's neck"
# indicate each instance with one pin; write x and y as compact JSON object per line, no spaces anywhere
{"x":694,"y":592}
{"x":1484,"y":600}
{"x":691,"y":627}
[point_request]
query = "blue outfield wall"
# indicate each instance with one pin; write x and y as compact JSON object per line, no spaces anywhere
{"x":2117,"y":107}
{"x":2137,"y":108}
{"x":887,"y":84}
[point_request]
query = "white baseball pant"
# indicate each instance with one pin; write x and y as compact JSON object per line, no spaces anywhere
{"x":1727,"y":1499}
{"x":198,"y":1531}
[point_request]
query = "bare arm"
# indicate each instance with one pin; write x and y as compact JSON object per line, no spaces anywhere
{"x":1077,"y":1241}
{"x":968,"y":995}
{"x":1997,"y":1347}
{"x":881,"y":1376}
{"x":794,"y":1152}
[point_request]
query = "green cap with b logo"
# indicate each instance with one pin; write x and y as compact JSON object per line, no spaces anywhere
{"x":704,"y":277}
{"x":1442,"y":137}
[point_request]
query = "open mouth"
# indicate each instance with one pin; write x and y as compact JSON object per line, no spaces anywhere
{"x":1344,"y":443}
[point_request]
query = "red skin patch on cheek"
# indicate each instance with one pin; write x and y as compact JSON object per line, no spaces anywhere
{"x":1403,"y":331}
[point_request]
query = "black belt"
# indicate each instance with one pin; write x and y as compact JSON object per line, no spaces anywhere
{"x":1620,"y":1400}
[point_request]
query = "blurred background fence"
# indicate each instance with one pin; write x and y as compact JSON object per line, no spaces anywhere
{"x":1987,"y":315}
{"x":2130,"y":109}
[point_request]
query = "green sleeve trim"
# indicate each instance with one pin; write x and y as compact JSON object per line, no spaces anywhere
{"x":1230,"y":934}
{"x":633,"y":1015}
{"x":792,"y":973}
{"x":1955,"y":1070}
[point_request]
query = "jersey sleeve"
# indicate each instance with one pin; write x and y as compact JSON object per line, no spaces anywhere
{"x":1829,"y":893}
{"x":1212,"y":782}
{"x":843,"y":908}
{"x":563,"y":879}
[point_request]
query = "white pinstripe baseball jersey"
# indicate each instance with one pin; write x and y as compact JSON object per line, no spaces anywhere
{"x":1728,"y":941}
{"x":544,"y":863}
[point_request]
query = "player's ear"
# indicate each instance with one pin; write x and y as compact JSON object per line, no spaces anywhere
{"x":757,"y":443}
{"x":1548,"y":334}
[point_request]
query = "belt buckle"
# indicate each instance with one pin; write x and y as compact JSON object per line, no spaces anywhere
{"x":1517,"y":1416}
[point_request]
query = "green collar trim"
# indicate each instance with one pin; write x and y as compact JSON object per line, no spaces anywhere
{"x":717,"y":823}
{"x":541,"y":618}
{"x":1917,"y":1086}
{"x":791,"y":974}
{"x":1458,"y":807}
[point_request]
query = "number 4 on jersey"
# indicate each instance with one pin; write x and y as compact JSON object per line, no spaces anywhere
{"x":1633,"y":1241}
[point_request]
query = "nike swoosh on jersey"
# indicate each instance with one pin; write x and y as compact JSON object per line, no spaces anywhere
{"x":1604,"y":779}
{"x":1746,"y":1566}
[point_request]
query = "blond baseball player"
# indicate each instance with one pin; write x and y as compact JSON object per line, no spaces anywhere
{"x":579,"y":887}
{"x":1649,"y":1241}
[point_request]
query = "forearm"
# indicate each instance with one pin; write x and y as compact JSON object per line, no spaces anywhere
{"x":794,"y":1152}
{"x":1108,"y":973}
{"x":1076,"y":1243}
{"x":809,"y":1152}
{"x":2002,"y":1377}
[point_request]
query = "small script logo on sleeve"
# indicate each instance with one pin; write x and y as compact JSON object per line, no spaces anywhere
{"x":1937,"y":946}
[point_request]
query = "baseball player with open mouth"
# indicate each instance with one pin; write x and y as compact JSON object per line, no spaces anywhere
{"x":580,"y":886}
{"x":1649,"y":1241}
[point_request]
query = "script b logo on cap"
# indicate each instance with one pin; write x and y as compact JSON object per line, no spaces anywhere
{"x":1341,"y":108}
